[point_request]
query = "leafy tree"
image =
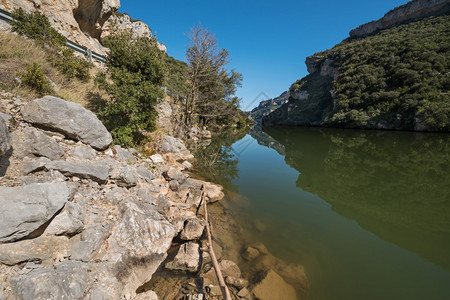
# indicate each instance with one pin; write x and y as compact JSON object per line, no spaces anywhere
{"x":135,"y":74}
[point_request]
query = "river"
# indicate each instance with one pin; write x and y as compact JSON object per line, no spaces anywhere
{"x":367,"y":213}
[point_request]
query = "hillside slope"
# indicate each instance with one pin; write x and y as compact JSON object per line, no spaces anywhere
{"x":397,"y":79}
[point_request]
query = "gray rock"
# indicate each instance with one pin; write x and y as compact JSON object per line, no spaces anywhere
{"x":172,"y":145}
{"x":33,"y":142}
{"x":5,"y":139}
{"x":92,"y":239}
{"x":69,"y":222}
{"x":174,"y":185}
{"x":25,"y":209}
{"x":67,"y":280}
{"x":128,"y":177}
{"x":187,"y":165}
{"x":145,"y":174}
{"x":95,"y":171}
{"x":174,"y":174}
{"x":69,"y":118}
{"x":187,"y":258}
{"x":83,"y":152}
{"x":34,"y":165}
{"x":7,"y":118}
{"x":157,"y":158}
{"x":138,"y":243}
{"x":193,"y":229}
{"x":124,"y":154}
{"x":41,"y":248}
{"x":115,"y":194}
{"x":54,"y":176}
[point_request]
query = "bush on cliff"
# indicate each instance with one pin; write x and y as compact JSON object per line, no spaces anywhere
{"x":36,"y":26}
{"x":397,"y":78}
{"x":133,"y":81}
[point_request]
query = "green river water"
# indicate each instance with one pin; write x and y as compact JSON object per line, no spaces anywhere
{"x":367,"y":213}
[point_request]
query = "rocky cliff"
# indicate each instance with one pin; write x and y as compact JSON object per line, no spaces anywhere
{"x":266,"y":107}
{"x":81,"y":219}
{"x":78,"y":20}
{"x":391,"y":79}
{"x":83,"y":21}
{"x":411,"y":11}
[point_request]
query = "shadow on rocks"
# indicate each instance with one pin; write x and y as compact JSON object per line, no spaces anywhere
{"x":4,"y":162}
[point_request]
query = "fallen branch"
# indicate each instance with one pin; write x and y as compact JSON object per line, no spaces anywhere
{"x":223,"y":287}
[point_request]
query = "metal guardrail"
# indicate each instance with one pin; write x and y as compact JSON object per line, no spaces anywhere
{"x":6,"y":17}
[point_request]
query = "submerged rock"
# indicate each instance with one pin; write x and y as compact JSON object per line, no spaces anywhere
{"x":273,"y":287}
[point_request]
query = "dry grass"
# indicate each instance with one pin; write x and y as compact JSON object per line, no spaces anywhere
{"x":16,"y":53}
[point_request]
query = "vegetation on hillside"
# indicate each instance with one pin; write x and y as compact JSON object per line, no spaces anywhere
{"x":36,"y":26}
{"x":33,"y":63}
{"x":136,"y":71}
{"x":396,"y":79}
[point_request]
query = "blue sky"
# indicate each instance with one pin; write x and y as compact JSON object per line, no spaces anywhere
{"x":268,"y":41}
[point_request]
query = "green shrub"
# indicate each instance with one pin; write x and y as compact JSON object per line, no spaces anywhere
{"x":398,"y":77}
{"x":135,"y":74}
{"x":36,"y":26}
{"x":72,"y":66}
{"x":34,"y":78}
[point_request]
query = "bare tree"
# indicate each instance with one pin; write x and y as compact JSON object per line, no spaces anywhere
{"x":210,"y":84}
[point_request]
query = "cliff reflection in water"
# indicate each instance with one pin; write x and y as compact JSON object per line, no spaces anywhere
{"x":394,"y":184}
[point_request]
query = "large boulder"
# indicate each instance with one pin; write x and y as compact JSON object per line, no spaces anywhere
{"x":68,"y":280}
{"x":5,"y":139}
{"x":87,"y":247}
{"x":38,"y":249}
{"x":172,"y":145}
{"x":25,"y":209}
{"x":33,"y":142}
{"x":95,"y":171}
{"x":138,"y":243}
{"x":69,"y":118}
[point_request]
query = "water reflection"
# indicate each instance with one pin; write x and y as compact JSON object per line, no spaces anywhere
{"x":216,"y":161}
{"x":394,"y":184}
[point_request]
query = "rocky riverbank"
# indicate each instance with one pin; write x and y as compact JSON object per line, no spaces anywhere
{"x":82,"y":219}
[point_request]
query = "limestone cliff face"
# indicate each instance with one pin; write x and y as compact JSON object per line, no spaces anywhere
{"x":120,"y":22}
{"x":266,"y":107}
{"x":78,"y":20}
{"x":413,"y":10}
